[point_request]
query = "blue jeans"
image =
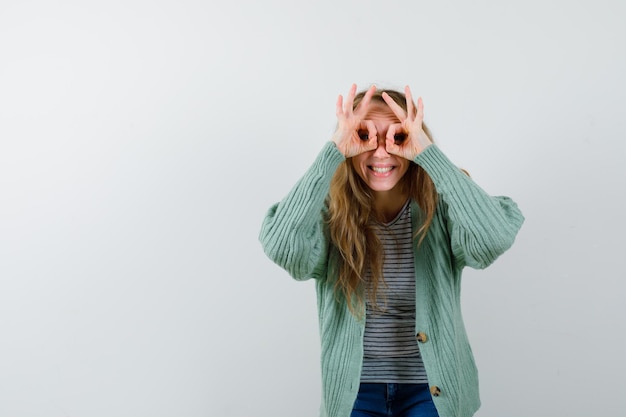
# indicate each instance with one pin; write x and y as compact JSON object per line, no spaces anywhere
{"x":394,"y":400}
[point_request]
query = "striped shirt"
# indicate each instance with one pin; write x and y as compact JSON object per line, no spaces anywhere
{"x":391,"y":354}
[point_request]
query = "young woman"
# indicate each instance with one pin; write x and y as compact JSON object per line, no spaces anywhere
{"x":385,"y":224}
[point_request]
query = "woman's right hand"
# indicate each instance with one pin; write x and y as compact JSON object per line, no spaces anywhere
{"x":354,"y":135}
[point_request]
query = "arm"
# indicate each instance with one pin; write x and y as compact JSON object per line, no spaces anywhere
{"x":293,"y":231}
{"x":292,"y":234}
{"x":481,"y":227}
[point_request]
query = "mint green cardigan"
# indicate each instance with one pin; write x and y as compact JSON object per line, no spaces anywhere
{"x":470,"y":228}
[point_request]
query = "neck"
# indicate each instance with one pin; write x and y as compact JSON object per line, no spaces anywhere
{"x":388,"y":204}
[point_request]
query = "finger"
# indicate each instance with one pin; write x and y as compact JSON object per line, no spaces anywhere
{"x":339,"y":106}
{"x":390,"y":143}
{"x":395,"y":107}
{"x":350,"y":98}
{"x":410,"y":109}
{"x":372,"y":132}
{"x":420,"y":109}
{"x":371,"y":141}
{"x":365,"y":102}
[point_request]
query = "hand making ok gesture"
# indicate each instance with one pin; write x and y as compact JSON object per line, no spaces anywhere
{"x":410,"y":124}
{"x":350,"y":122}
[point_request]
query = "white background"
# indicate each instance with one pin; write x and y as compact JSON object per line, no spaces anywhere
{"x":141,"y":143}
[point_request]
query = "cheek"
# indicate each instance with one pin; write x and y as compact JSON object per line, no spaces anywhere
{"x":404,"y":169}
{"x":357,"y":165}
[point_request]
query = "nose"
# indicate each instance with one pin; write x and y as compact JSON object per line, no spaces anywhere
{"x":381,"y":150}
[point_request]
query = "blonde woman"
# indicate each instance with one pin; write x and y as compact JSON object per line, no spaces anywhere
{"x":385,"y":223}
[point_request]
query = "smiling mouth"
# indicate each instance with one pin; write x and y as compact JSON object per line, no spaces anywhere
{"x":381,"y":170}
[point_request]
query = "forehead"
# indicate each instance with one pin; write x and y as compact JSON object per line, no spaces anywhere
{"x":380,"y":111}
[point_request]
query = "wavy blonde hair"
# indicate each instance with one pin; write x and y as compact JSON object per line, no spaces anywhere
{"x":352,"y":222}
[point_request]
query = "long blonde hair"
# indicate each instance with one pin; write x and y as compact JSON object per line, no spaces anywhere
{"x":351,"y":218}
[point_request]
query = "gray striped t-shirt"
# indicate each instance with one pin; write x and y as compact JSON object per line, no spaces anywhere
{"x":391,"y":354}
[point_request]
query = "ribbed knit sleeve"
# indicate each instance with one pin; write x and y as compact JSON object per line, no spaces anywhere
{"x":481,"y":227}
{"x":292,"y":233}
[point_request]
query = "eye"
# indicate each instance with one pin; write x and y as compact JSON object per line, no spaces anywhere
{"x":363,"y":135}
{"x":399,"y":137}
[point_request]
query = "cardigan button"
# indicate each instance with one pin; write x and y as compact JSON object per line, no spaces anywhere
{"x":435,"y":391}
{"x":421,"y":337}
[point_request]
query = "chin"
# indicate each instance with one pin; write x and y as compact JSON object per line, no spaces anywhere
{"x":382,"y":187}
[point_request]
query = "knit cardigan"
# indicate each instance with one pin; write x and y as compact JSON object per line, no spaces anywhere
{"x":470,"y":228}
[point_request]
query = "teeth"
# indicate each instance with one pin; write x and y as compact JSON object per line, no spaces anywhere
{"x":381,"y":170}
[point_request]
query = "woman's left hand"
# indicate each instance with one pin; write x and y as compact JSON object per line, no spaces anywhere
{"x":416,"y":140}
